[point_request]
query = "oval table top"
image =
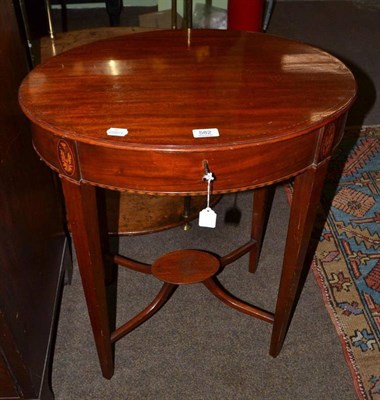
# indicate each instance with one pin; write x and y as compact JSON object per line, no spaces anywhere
{"x":161,"y":85}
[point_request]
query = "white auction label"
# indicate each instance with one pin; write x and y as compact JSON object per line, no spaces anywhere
{"x":207,"y":218}
{"x":117,"y":132}
{"x":205,"y":133}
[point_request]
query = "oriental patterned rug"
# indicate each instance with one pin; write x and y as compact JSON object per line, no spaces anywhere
{"x":347,"y":260}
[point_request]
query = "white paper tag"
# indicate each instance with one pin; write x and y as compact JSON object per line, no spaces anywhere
{"x":207,"y":218}
{"x":117,"y":132}
{"x":205,"y":133}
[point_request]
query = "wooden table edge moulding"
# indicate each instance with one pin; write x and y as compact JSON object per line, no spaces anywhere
{"x":279,"y":106}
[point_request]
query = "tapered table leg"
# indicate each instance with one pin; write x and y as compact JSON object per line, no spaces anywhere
{"x":306,"y":196}
{"x":262,"y":202}
{"x":114,"y":8}
{"x":81,"y":206}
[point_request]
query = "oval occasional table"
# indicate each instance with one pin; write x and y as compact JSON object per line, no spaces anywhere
{"x":279,"y":107}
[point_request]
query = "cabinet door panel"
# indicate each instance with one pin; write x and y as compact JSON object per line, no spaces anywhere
{"x":31,"y":232}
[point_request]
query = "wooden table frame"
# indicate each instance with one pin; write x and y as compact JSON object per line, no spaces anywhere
{"x":298,"y":148}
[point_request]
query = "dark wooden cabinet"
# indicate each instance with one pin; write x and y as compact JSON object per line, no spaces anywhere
{"x":32,"y":238}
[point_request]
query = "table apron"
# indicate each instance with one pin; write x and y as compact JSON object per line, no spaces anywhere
{"x":175,"y":172}
{"x":180,"y":172}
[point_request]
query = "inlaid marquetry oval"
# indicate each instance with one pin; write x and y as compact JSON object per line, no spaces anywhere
{"x":327,"y":141}
{"x":66,"y":157}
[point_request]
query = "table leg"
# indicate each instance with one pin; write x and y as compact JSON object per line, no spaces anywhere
{"x":81,"y":206}
{"x":262,"y":202}
{"x":114,"y":8}
{"x":306,"y":196}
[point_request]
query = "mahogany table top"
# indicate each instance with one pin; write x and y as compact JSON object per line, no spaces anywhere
{"x":279,"y":106}
{"x":161,"y":85}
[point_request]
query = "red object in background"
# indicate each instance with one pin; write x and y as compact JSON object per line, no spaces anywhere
{"x":245,"y":15}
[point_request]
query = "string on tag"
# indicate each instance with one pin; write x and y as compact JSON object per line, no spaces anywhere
{"x":209,"y":178}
